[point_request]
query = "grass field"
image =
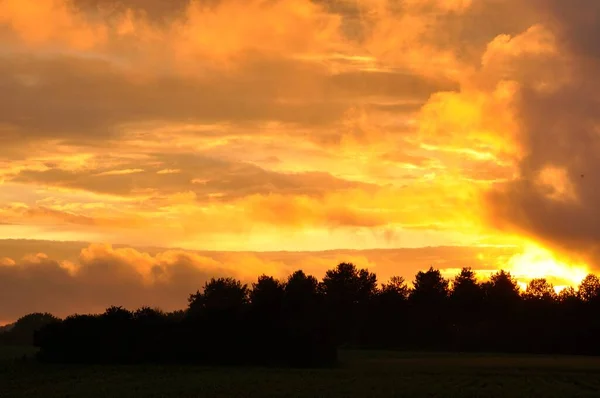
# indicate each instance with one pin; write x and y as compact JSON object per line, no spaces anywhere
{"x":360,"y":374}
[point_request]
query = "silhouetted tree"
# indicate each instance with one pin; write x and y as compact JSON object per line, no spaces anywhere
{"x":430,"y":288}
{"x":466,"y":299}
{"x":149,"y":315}
{"x":396,"y":290}
{"x":219,"y":295}
{"x":568,"y":323}
{"x":265,"y":323}
{"x":541,"y":290}
{"x":588,"y":320}
{"x":310,"y":338}
{"x":429,"y":300}
{"x":539,"y":315}
{"x":266,"y":297}
{"x":22,"y":332}
{"x":301,"y":322}
{"x":117,"y":314}
{"x":347,"y":293}
{"x":589,"y":289}
{"x":466,"y":294}
{"x":500,"y":325}
{"x":301,"y":294}
{"x":302,"y":301}
{"x":568,"y":296}
{"x":348,"y":285}
{"x":501,"y":291}
{"x":387,"y":319}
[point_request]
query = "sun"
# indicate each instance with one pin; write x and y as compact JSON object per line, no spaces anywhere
{"x":538,"y":262}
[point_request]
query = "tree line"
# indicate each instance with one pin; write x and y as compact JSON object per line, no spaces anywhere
{"x":302,"y":321}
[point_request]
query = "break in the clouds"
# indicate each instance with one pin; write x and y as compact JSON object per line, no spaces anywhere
{"x":300,"y":125}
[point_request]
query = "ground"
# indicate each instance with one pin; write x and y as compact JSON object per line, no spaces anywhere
{"x":360,"y":374}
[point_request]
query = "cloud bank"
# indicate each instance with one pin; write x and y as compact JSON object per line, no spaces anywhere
{"x":87,"y":278}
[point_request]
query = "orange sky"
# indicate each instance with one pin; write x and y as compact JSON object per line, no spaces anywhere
{"x":304,"y":125}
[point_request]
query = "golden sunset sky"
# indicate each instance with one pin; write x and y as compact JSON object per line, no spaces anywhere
{"x":451,"y":132}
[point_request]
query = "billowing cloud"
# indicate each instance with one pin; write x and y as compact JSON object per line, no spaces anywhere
{"x":88,"y":278}
{"x":82,"y":278}
{"x":554,"y":198}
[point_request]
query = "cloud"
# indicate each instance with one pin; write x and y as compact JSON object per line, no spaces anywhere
{"x":203,"y":175}
{"x":554,"y":197}
{"x":102,"y":76}
{"x":28,"y":20}
{"x":103,"y":275}
{"x":120,"y":172}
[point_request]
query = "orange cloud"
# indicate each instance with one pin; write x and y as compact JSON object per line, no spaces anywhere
{"x":29,"y":19}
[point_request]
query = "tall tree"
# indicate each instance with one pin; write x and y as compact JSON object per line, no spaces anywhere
{"x":388,"y":317}
{"x":466,"y":292}
{"x":466,"y":299}
{"x":219,"y":295}
{"x":301,"y":294}
{"x":266,"y":297}
{"x":348,"y":291}
{"x":430,"y":288}
{"x":589,"y":289}
{"x":429,"y":310}
{"x":395,"y":291}
{"x":541,"y":290}
{"x":501,"y":291}
{"x":501,"y":318}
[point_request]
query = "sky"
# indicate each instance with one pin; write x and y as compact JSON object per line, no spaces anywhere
{"x":447,"y":132}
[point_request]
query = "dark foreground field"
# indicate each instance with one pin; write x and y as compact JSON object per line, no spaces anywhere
{"x":360,"y":374}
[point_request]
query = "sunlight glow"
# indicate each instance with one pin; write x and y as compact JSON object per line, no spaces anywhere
{"x":537,"y":262}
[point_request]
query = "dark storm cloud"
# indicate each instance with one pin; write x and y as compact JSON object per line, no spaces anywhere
{"x":560,"y":129}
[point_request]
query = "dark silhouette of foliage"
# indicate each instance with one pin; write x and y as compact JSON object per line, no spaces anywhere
{"x":266,"y":297}
{"x":301,"y":296}
{"x":467,"y":293}
{"x":466,"y":300}
{"x":569,"y":296}
{"x":149,"y":316}
{"x":501,"y":315}
{"x":23,"y":330}
{"x":395,"y":289}
{"x":223,"y":295}
{"x":430,"y":288}
{"x":539,"y":314}
{"x":501,"y":291}
{"x":429,"y":310}
{"x":301,"y":321}
{"x":589,"y":289}
{"x":347,"y":292}
{"x":540,"y":290}
{"x":388,"y":316}
{"x":348,"y":286}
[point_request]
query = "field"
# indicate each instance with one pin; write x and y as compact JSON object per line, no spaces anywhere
{"x":360,"y":374}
